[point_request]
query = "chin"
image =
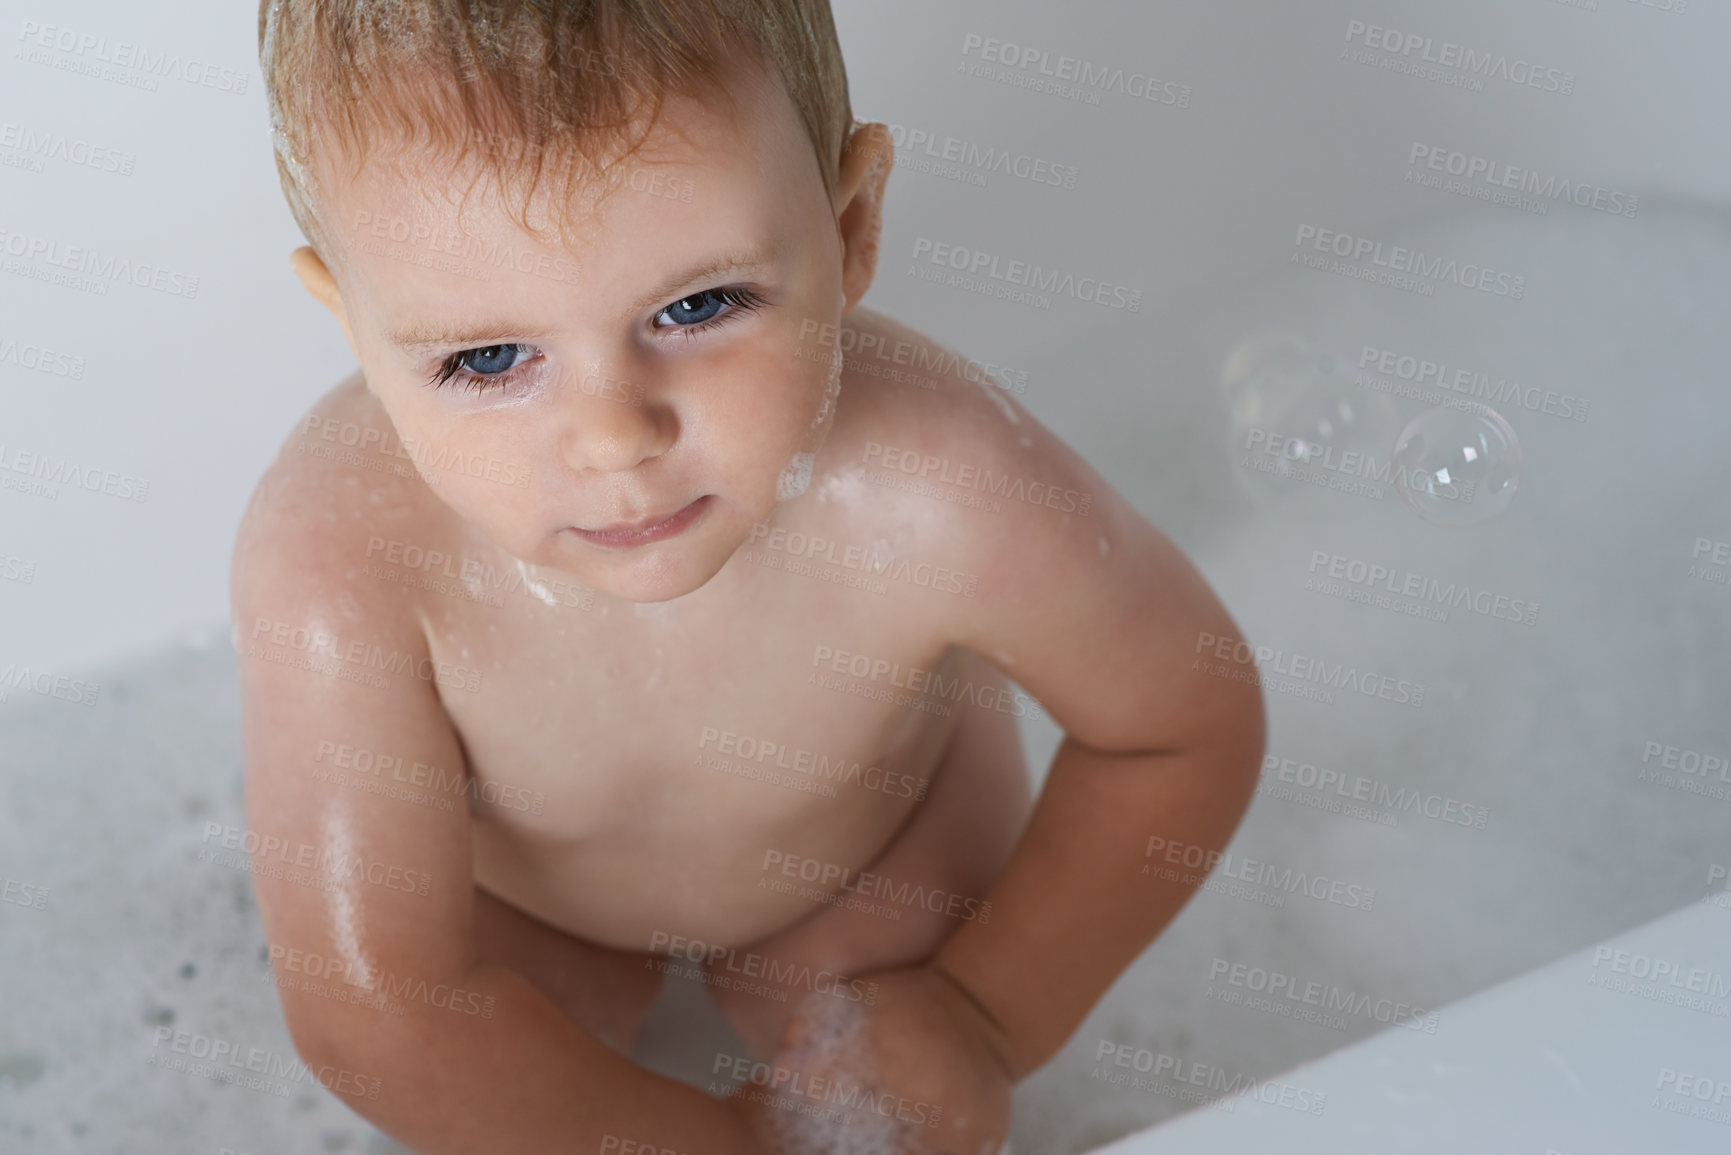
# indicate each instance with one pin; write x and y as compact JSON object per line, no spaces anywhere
{"x":659,"y":572}
{"x":653,"y":581}
{"x":650,"y":591}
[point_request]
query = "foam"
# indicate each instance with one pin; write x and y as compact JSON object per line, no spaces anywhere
{"x":538,"y":588}
{"x":796,"y":478}
{"x":278,"y":136}
{"x":832,"y":1039}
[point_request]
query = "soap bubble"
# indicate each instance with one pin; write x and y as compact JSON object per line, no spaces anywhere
{"x":1458,"y":465}
{"x":1304,"y":434}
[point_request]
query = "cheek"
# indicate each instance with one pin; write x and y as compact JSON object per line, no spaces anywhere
{"x":512,"y":517}
{"x":477,"y":468}
{"x":485,"y":489}
{"x":770,"y":405}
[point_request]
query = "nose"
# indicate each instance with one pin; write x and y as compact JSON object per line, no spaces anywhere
{"x":610,"y":420}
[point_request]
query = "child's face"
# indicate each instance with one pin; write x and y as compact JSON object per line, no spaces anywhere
{"x":663,"y":365}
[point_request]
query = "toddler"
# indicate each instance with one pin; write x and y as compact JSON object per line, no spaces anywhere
{"x":645,"y":604}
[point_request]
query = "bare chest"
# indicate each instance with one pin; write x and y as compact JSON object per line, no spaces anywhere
{"x":673,"y":746}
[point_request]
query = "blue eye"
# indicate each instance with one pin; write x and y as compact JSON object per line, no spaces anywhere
{"x":702,"y":310}
{"x":491,"y":360}
{"x":479,"y":367}
{"x":694,"y":309}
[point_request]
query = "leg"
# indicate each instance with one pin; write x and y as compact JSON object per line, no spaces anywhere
{"x":605,"y":991}
{"x":957,"y":842}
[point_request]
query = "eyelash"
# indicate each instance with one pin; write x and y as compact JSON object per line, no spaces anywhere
{"x":739,"y":299}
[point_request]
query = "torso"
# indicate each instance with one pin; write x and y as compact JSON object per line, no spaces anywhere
{"x":593,"y":736}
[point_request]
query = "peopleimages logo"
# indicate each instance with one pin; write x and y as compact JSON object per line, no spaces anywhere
{"x":734,"y":966}
{"x":1663,"y":979}
{"x":42,"y":360}
{"x":815,"y":763}
{"x":966,"y":475}
{"x":866,"y":883}
{"x":463,"y":246}
{"x":23,"y":894}
{"x":88,"y":269}
{"x":392,"y":989}
{"x":1494,"y":180}
{"x":918,"y":355}
{"x":85,"y":51}
{"x":1301,"y":667}
{"x":1697,"y":1096}
{"x":14,"y":676}
{"x":1427,"y":380}
{"x":944,"y":155}
{"x":837,"y":1099}
{"x":39,"y":145}
{"x":982,"y":270}
{"x":922,"y":685}
{"x":220,"y":1060}
{"x":1448,"y":61}
{"x":1290,"y":997}
{"x":1197,"y":1082}
{"x":1253,"y":871}
{"x":1025,"y":66}
{"x":51,"y":471}
{"x":1374,"y":579}
{"x":1338,"y":792}
{"x":1424,"y":269}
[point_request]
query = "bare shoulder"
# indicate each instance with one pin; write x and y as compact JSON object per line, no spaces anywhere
{"x":1065,"y":586}
{"x":947,"y":435}
{"x":305,"y":530}
{"x":909,"y":382}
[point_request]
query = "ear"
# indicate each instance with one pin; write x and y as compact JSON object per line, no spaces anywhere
{"x":866,"y":160}
{"x":317,"y":279}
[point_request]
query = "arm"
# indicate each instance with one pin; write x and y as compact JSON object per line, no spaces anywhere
{"x":498,"y":1069}
{"x":1069,"y":913}
{"x":1151,"y":747}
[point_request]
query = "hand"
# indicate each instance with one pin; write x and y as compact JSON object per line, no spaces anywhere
{"x":917,"y":1071}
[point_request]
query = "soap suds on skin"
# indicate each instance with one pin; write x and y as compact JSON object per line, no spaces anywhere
{"x":844,"y":487}
{"x":539,"y":589}
{"x":832,"y":1042}
{"x":831,"y":389}
{"x":796,"y":478}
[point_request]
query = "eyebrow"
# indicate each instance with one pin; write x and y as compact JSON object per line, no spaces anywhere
{"x":420,"y":335}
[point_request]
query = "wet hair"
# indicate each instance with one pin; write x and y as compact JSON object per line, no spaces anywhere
{"x":532,"y":90}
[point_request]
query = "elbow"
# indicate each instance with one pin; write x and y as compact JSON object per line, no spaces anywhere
{"x":1235,"y":743}
{"x":1243,"y":740}
{"x":1232,"y":726}
{"x":355,"y":1060}
{"x":1250,"y":730}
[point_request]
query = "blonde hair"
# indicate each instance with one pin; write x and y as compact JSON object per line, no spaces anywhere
{"x":519,"y":84}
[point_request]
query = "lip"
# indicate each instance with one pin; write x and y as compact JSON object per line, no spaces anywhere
{"x":629,"y":534}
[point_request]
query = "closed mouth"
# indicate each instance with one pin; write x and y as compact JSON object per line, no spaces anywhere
{"x":656,"y":527}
